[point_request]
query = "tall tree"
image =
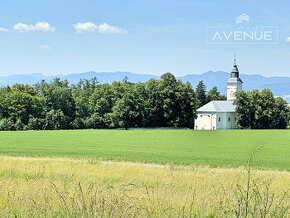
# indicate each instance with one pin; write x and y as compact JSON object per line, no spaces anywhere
{"x":82,"y":92}
{"x":168,"y":90}
{"x":4,"y":102}
{"x":214,"y":94}
{"x":244,"y":110}
{"x":187,"y":104}
{"x":153,"y":105}
{"x":101,"y":100}
{"x":281,"y":114}
{"x":58,"y":97}
{"x":201,"y":94}
{"x":126,"y":111}
{"x":260,"y":110}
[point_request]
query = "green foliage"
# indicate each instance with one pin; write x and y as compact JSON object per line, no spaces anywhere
{"x":167,"y":102}
{"x":281,"y":114}
{"x":201,"y":94}
{"x":82,"y":93}
{"x":19,"y":125}
{"x":6,"y":125}
{"x":35,"y":124}
{"x":168,"y":91}
{"x":186,"y":105}
{"x":95,"y":121}
{"x":55,"y":119}
{"x":126,"y":112}
{"x":58,"y":102}
{"x":23,"y":89}
{"x":79,"y":123}
{"x":4,"y":92}
{"x":261,"y":110}
{"x":20,"y":106}
{"x":153,"y":112}
{"x":214,"y":94}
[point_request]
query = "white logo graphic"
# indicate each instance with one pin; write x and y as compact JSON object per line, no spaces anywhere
{"x":242,"y":32}
{"x":242,"y":18}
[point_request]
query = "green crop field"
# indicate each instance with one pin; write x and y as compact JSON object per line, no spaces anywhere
{"x":83,"y":186}
{"x":229,"y":148}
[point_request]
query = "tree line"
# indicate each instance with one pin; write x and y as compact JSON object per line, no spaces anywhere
{"x":261,"y":110}
{"x":166,"y":102}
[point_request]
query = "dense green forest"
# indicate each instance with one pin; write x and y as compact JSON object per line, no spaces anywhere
{"x":261,"y":110}
{"x":166,"y":102}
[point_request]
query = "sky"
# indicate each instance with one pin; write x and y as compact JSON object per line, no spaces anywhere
{"x":54,"y":37}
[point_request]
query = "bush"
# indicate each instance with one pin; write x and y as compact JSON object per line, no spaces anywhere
{"x":19,"y":125}
{"x":79,"y":123}
{"x":34,"y":124}
{"x":93,"y":122}
{"x":6,"y":125}
{"x":96,"y":122}
{"x":55,"y":119}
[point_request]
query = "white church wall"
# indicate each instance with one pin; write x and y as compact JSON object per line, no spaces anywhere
{"x":205,"y":121}
{"x":232,"y":88}
{"x":231,"y":119}
{"x":225,"y":120}
{"x":221,"y":120}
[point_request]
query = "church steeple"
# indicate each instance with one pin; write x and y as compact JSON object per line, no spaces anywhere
{"x":235,"y":59}
{"x":235,"y":71}
{"x":234,"y":84}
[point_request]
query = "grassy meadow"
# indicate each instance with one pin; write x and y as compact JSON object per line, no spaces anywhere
{"x":229,"y":148}
{"x":65,"y":187}
{"x":144,"y":173}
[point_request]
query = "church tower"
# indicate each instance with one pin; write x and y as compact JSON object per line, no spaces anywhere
{"x":234,"y":84}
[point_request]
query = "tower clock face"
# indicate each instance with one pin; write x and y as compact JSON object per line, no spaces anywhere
{"x":233,"y":94}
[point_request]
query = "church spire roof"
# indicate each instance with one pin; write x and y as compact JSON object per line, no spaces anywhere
{"x":235,"y":71}
{"x":235,"y":59}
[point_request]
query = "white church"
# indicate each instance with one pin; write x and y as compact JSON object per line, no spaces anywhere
{"x":220,"y":114}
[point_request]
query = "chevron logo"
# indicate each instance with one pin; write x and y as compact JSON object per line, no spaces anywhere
{"x":242,"y":18}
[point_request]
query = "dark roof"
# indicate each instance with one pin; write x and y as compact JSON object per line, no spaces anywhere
{"x":235,"y":74}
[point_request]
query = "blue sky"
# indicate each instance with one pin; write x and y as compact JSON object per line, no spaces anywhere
{"x":141,"y":36}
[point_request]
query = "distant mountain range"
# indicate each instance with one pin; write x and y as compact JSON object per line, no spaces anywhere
{"x":280,"y":86}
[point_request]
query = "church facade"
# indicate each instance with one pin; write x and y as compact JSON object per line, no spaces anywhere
{"x":220,"y":114}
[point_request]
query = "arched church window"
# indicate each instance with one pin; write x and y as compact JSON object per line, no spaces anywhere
{"x":229,"y":119}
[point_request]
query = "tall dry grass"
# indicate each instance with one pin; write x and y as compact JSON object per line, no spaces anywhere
{"x":58,"y":187}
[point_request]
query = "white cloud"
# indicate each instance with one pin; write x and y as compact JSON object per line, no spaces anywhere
{"x":45,"y":47}
{"x":85,"y":27}
{"x":3,"y":29}
{"x":288,"y":39}
{"x":105,"y":28}
{"x":39,"y":26}
{"x":102,"y":28}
